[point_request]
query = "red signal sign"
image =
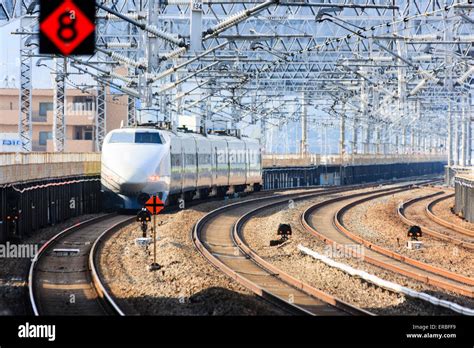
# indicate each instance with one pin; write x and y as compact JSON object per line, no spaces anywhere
{"x":67,"y":27}
{"x":154,"y":205}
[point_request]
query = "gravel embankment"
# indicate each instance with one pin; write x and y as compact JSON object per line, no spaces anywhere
{"x":14,"y":271}
{"x":377,"y":221}
{"x":261,"y":229}
{"x":443,"y":210}
{"x":187,"y":284}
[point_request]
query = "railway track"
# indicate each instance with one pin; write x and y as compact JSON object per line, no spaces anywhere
{"x":324,"y":220}
{"x":417,"y":211}
{"x":429,"y":212}
{"x":63,"y":279}
{"x":218,"y":237}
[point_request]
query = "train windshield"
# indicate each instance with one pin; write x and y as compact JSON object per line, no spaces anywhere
{"x":137,"y":138}
{"x":148,"y":138}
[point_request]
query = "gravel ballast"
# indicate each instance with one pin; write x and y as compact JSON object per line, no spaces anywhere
{"x":443,"y":210}
{"x":378,"y":222}
{"x":261,"y":229}
{"x":187,"y":284}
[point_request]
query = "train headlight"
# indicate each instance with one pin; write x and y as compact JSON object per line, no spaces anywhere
{"x":154,"y":178}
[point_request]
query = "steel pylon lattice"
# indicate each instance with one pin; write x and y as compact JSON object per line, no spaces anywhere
{"x":101,"y":117}
{"x":59,"y":107}
{"x":391,"y":68}
{"x":25,"y":126}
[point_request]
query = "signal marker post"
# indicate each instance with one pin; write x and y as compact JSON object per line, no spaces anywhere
{"x":154,"y":205}
{"x":67,"y":27}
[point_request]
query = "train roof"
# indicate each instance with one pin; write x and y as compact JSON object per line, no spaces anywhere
{"x":182,"y":134}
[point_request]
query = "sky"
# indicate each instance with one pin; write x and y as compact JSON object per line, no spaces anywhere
{"x":10,"y":62}
{"x":9,"y":56}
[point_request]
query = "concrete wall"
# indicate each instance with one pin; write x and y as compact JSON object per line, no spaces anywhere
{"x":25,"y":167}
{"x":464,"y":197}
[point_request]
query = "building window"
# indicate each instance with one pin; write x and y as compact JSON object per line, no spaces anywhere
{"x":44,"y":108}
{"x":83,"y":133}
{"x":44,"y":136}
{"x":82,"y":99}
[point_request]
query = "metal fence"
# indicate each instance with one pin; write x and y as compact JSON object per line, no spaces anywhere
{"x":26,"y":208}
{"x":297,"y":160}
{"x":289,"y":177}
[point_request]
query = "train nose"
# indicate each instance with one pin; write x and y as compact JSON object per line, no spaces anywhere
{"x":130,"y":169}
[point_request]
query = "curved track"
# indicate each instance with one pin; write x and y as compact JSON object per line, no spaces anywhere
{"x":63,"y":279}
{"x":429,"y":212}
{"x":324,"y":221}
{"x":217,"y":236}
{"x":416,"y":212}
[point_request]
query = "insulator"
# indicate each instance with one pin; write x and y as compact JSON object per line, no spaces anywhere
{"x":118,"y":44}
{"x":418,"y":87}
{"x":465,"y":76}
{"x":121,"y":77}
{"x":135,"y":16}
{"x":231,"y":21}
{"x":130,"y":91}
{"x":174,"y":54}
{"x":127,"y":60}
{"x":163,"y":35}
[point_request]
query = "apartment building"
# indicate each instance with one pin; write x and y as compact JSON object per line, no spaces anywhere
{"x":80,"y":116}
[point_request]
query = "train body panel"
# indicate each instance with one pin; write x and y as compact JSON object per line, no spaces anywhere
{"x":254,"y":161}
{"x":204,"y":168}
{"x":138,"y":162}
{"x":237,"y":158}
{"x":188,"y":146}
{"x":176,"y":165}
{"x":220,"y":158}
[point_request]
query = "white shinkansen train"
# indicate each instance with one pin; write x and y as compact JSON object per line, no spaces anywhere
{"x":142,"y":161}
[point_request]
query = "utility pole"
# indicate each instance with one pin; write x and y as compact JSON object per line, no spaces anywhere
{"x":450,"y":135}
{"x":101,"y":117}
{"x":456,"y":136}
{"x":342,"y":138}
{"x":59,"y":99}
{"x":25,"y":126}
{"x":354,"y":139}
{"x":304,"y":126}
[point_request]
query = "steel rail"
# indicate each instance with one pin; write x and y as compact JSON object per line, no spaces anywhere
{"x":429,"y":212}
{"x":381,"y":257}
{"x":84,"y":276}
{"x":286,"y":277}
{"x":216,"y":236}
{"x":401,"y":211}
